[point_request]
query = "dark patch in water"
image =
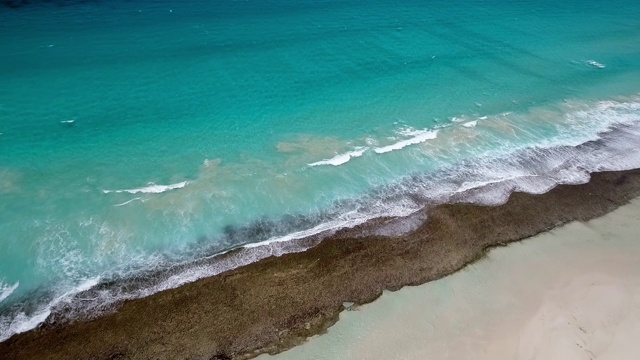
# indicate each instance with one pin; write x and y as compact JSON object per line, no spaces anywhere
{"x":17,"y":4}
{"x":27,"y":302}
{"x":264,"y":228}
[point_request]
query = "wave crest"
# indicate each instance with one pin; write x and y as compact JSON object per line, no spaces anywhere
{"x":341,"y":158}
{"x":151,"y":188}
{"x":417,"y":137}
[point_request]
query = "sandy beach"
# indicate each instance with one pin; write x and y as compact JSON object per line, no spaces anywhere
{"x":278,"y":302}
{"x":572,"y":293}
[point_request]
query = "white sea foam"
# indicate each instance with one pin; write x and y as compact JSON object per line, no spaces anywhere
{"x":6,"y":289}
{"x":470,"y":124}
{"x":371,"y":141}
{"x":341,"y":158}
{"x":326,"y":226}
{"x":346,"y":220}
{"x":468,"y":185}
{"x":417,"y":137}
{"x":595,"y":64}
{"x":151,"y":188}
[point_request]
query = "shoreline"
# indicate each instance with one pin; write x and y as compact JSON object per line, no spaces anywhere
{"x":277,"y":302}
{"x":571,"y":293}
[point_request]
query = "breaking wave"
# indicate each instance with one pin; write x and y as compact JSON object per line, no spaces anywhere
{"x":151,"y":188}
{"x":341,"y":158}
{"x":416,"y":137}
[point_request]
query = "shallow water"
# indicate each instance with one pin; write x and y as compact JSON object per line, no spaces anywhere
{"x":136,"y":135}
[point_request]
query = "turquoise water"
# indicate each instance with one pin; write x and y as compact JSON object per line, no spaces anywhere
{"x":136,"y":135}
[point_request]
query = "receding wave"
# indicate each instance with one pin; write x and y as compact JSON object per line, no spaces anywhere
{"x":21,"y":321}
{"x":6,"y":289}
{"x":586,"y":138}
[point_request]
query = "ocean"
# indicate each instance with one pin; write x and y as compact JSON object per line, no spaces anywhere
{"x":140,"y":136}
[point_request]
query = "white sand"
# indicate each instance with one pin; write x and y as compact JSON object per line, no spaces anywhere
{"x":572,"y":293}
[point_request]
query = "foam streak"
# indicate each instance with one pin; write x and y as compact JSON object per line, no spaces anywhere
{"x":150,"y":189}
{"x":341,"y":158}
{"x":418,"y":136}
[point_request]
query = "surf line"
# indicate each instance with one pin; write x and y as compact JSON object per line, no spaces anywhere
{"x":151,"y":188}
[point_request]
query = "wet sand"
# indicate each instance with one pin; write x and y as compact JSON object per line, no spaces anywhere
{"x":278,"y":302}
{"x":572,"y":293}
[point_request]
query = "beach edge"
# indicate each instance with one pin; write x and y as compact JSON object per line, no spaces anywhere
{"x":278,"y":302}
